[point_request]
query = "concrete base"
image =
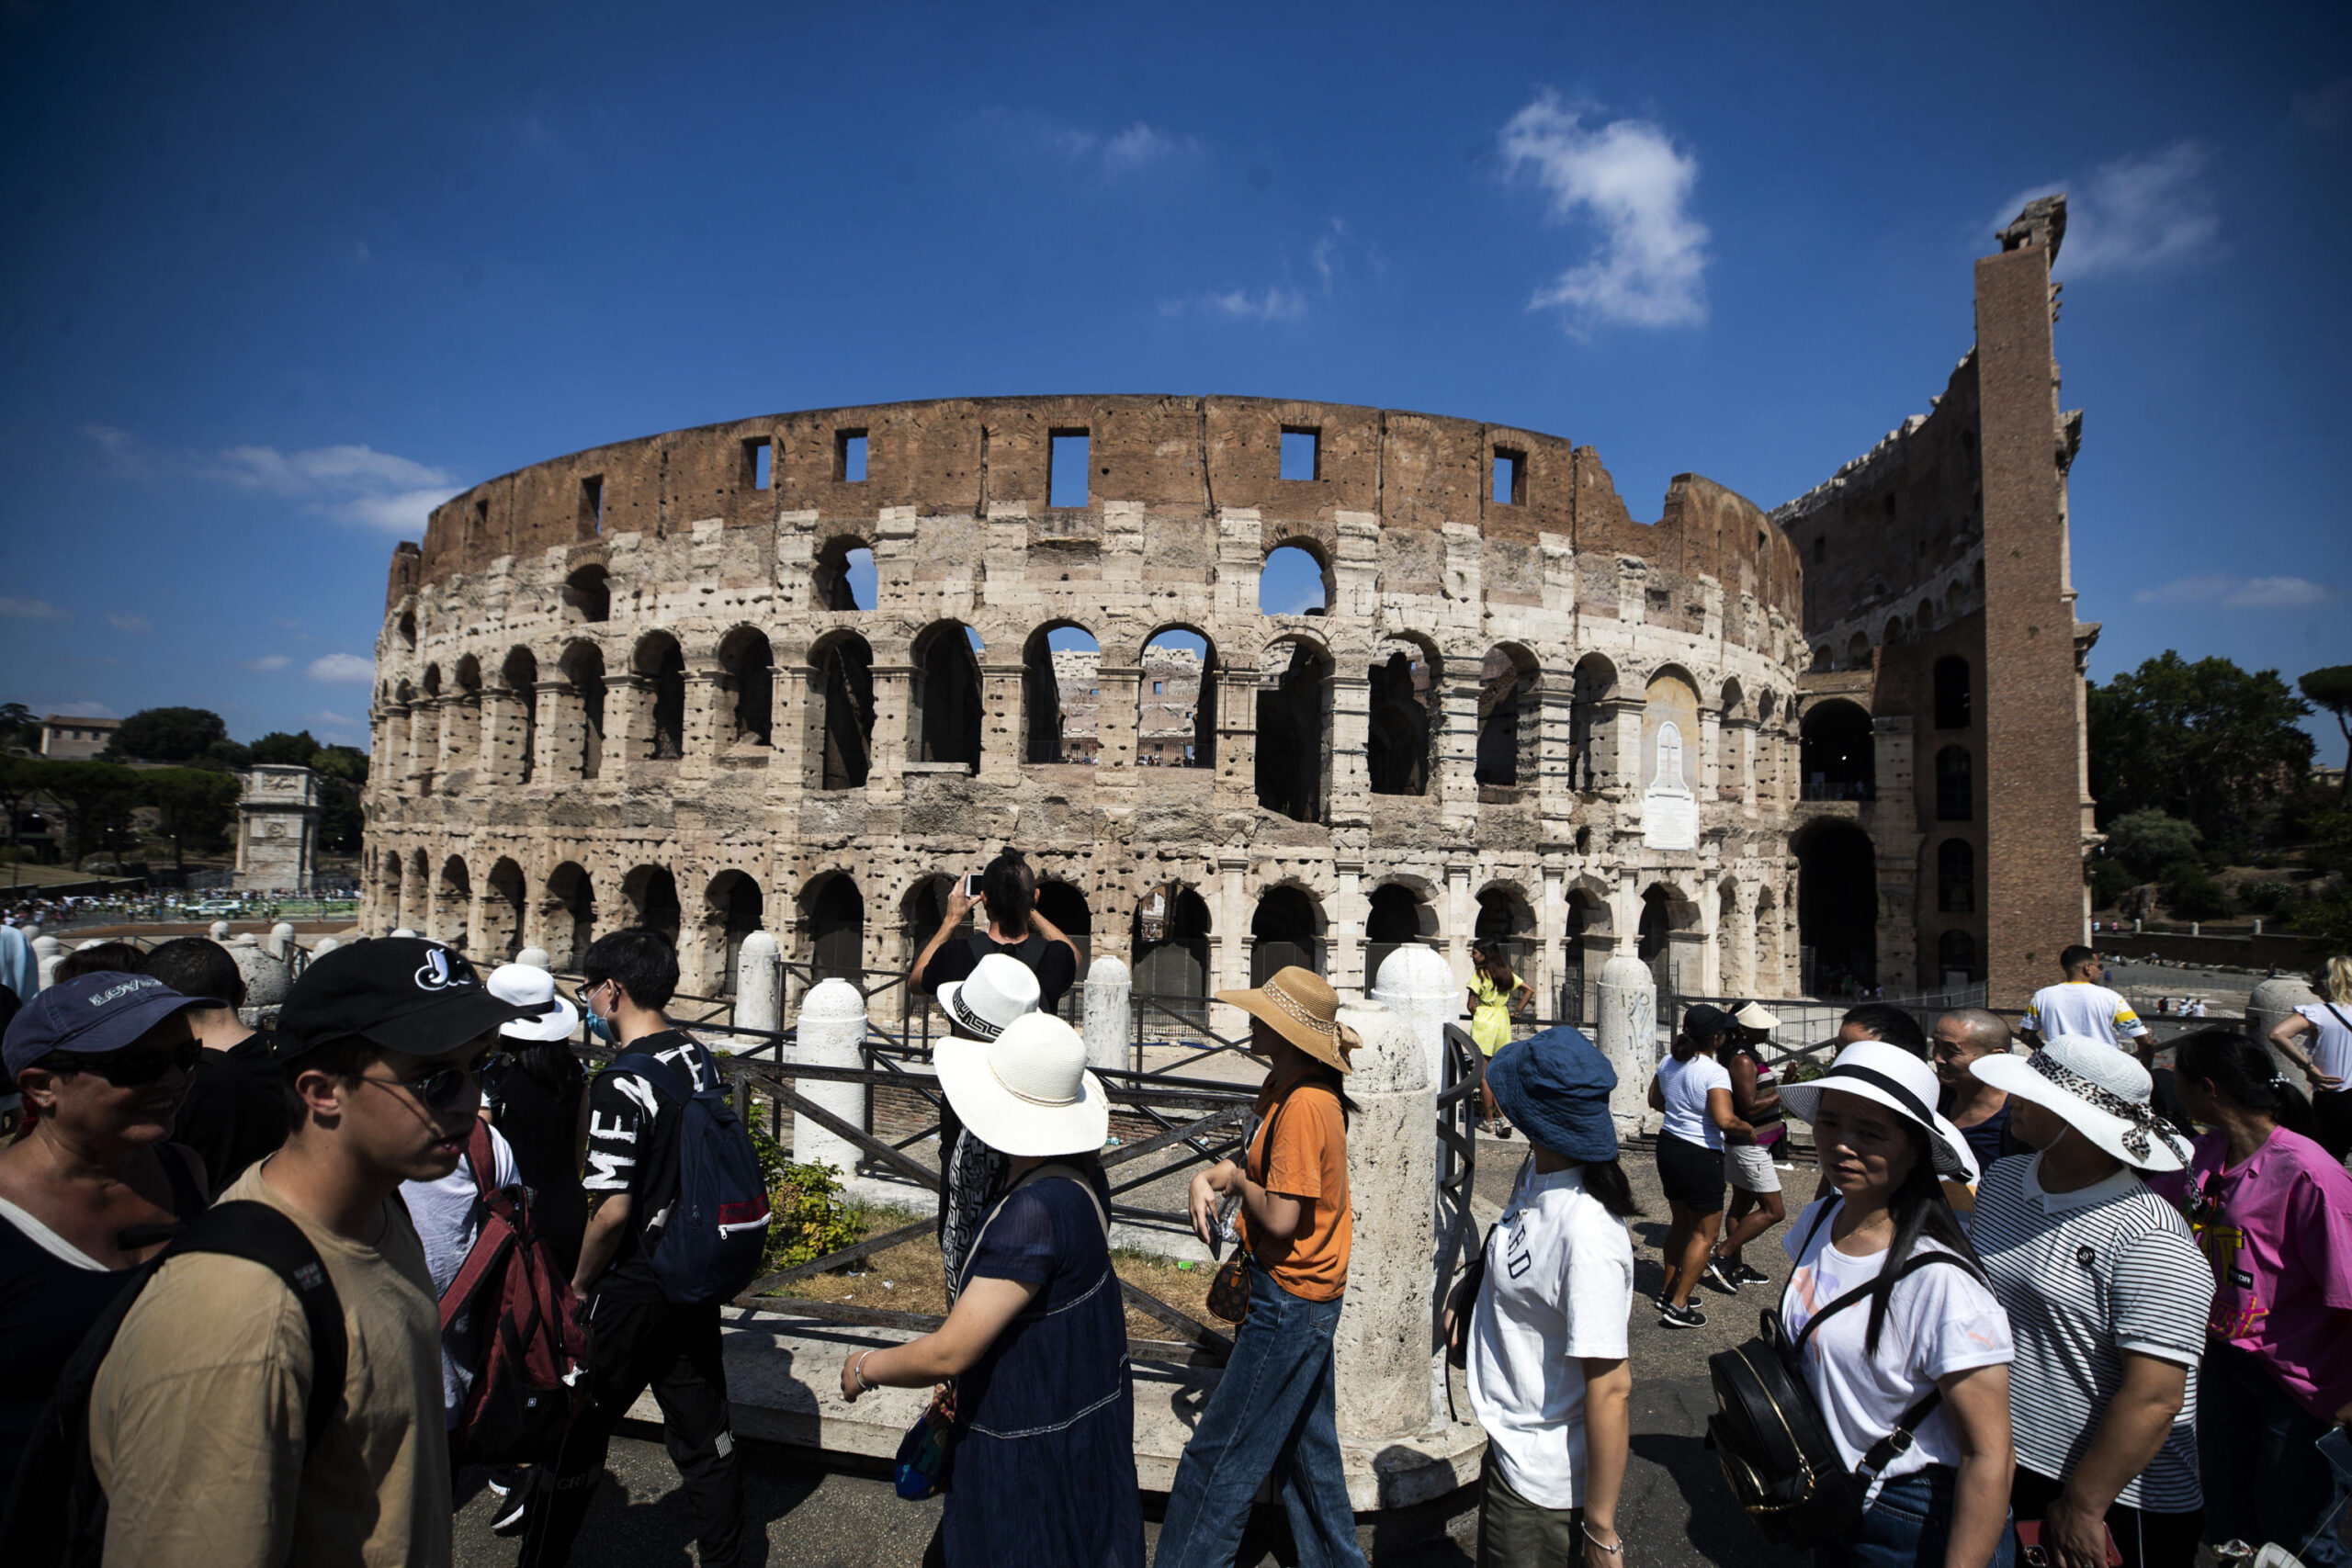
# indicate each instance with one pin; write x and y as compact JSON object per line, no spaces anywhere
{"x":784,"y":1381}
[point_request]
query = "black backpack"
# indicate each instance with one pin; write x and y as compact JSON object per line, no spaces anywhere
{"x":1768,"y":1432}
{"x":57,"y":1512}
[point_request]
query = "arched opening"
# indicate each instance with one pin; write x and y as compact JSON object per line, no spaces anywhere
{"x":518,"y":744}
{"x":1661,"y":940}
{"x":1592,"y":743}
{"x":846,"y":577}
{"x":836,"y":921}
{"x":419,"y":886}
{"x":453,"y":904}
{"x":389,"y":891}
{"x":747,"y":682}
{"x":1294,"y":581}
{"x":1835,"y":752}
{"x":1956,"y":958}
{"x":501,"y":913}
{"x":1399,"y":918}
{"x":1287,"y":929}
{"x":1858,"y":652}
{"x":1954,"y":703}
{"x":1402,"y":697}
{"x":1506,"y":925}
{"x":1510,"y":717}
{"x":660,"y":669}
{"x":1584,"y":951}
{"x":1824,"y":661}
{"x":583,"y":669}
{"x":1893,"y":633}
{"x":1836,"y":907}
{"x":732,"y":909}
{"x":1955,"y":785}
{"x":462,"y":719}
{"x":569,"y":915}
{"x":1170,"y":944}
{"x":945,"y":726}
{"x":651,"y":894}
{"x":842,"y":667}
{"x":406,"y":628}
{"x":1923,"y":619}
{"x":1176,"y":710}
{"x":588,"y":595}
{"x":1061,"y":691}
{"x":1956,"y":878}
{"x":1065,"y":906}
{"x":1293,"y":720}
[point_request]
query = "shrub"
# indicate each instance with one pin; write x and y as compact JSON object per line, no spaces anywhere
{"x":2110,"y":882}
{"x":808,"y":1215}
{"x":2268,"y":898}
{"x":2192,"y":894}
{"x":2148,"y":838}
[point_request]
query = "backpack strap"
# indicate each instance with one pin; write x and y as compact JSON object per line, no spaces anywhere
{"x":659,"y":1073}
{"x":262,"y":1234}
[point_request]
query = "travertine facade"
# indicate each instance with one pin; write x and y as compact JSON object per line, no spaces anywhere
{"x":278,"y":829}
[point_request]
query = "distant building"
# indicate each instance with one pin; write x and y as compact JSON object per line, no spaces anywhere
{"x":72,"y":739}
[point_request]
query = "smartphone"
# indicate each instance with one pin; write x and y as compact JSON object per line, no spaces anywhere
{"x":2031,"y":1552}
{"x":971,"y":884}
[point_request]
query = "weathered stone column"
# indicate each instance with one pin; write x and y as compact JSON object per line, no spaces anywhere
{"x":1628,"y":1008}
{"x":759,"y":987}
{"x":48,"y":953}
{"x":832,"y":1030}
{"x":281,"y":940}
{"x":1416,"y":985}
{"x":1383,"y":1348}
{"x":1110,"y":1014}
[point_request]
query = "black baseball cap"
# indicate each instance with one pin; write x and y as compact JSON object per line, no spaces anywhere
{"x":400,"y":992}
{"x":91,"y":1015}
{"x":1703,"y":1020}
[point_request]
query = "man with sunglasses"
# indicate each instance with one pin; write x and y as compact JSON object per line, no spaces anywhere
{"x":198,"y":1430}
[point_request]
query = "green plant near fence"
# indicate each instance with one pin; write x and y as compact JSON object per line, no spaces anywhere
{"x":808,"y":1215}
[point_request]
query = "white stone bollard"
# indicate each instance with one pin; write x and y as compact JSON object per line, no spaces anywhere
{"x":281,"y":940}
{"x":217,"y":930}
{"x":759,"y":990}
{"x":1109,"y":1015}
{"x":2270,"y":1004}
{"x":832,"y":1030}
{"x":1382,"y":1347}
{"x":326,"y":944}
{"x":48,"y":953}
{"x":1628,"y":1006}
{"x":1416,"y":984}
{"x":536,"y":957}
{"x":396,"y":930}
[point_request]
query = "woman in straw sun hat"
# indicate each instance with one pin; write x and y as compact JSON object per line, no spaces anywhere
{"x":2106,"y":1297}
{"x":1930,"y":1353}
{"x":1045,"y":1469}
{"x":1272,"y":1411}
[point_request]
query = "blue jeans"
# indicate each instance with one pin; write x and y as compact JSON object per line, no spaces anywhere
{"x":1908,"y":1526}
{"x":2263,"y":1479}
{"x":1272,"y":1412}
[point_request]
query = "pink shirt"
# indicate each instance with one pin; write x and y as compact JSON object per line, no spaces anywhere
{"x":2278,"y":1231}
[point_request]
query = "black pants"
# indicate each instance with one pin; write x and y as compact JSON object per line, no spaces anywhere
{"x":2332,"y":1116}
{"x":2146,"y":1540}
{"x":674,"y":1350}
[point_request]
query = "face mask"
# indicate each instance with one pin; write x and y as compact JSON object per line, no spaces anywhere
{"x":600,"y":1028}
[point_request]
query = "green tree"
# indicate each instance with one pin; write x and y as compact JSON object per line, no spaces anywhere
{"x":343,"y":777}
{"x":19,"y":727}
{"x":2192,"y":894}
{"x":168,"y":734}
{"x":2330,"y":690}
{"x":19,"y":783}
{"x":96,"y":798}
{"x":280,"y":750}
{"x":2148,"y":840}
{"x":2206,"y":741}
{"x":191,"y":804}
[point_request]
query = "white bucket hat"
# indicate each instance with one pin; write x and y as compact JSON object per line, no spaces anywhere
{"x":999,"y":989}
{"x":1027,"y":1091}
{"x":2097,"y":1090}
{"x":528,"y":985}
{"x":1896,"y":1080}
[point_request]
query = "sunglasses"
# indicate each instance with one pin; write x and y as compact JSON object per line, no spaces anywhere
{"x":446,"y":1088}
{"x":131,"y":1069}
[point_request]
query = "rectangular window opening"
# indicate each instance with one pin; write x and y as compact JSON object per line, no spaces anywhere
{"x":1820,"y":548}
{"x":1511,"y":477}
{"x":759,"y":456}
{"x":1066,"y":485}
{"x":849,"y":456}
{"x":591,"y":504}
{"x":1301,"y":452}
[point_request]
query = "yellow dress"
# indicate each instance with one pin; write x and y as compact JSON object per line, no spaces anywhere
{"x":1490,"y":1021}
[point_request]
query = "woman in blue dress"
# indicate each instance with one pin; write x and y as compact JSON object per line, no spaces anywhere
{"x":1044,"y":1473}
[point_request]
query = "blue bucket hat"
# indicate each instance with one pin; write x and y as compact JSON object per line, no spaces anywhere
{"x":92,"y":1015}
{"x":1555,"y":1087}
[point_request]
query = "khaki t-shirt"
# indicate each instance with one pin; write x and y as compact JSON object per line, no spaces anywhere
{"x":196,"y":1419}
{"x":1308,"y":1161}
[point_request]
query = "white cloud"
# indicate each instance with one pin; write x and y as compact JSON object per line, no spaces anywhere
{"x":16,"y":609}
{"x":326,"y":720}
{"x":352,"y":484}
{"x":1131,"y":151}
{"x":2239,"y":593}
{"x":343,"y":668}
{"x":268,"y":662}
{"x":1649,"y":268}
{"x":122,"y":621}
{"x":2133,"y":213}
{"x":1271,"y":303}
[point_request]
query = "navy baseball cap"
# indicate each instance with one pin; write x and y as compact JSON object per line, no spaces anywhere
{"x":92,"y":1015}
{"x":403,"y":993}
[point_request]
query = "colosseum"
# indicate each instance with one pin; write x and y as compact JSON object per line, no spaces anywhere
{"x":795,"y":671}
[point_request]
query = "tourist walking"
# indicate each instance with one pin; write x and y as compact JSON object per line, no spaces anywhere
{"x":2107,"y":1299}
{"x":1751,"y":1164}
{"x":1692,"y":1089}
{"x":1008,"y":898}
{"x":1044,"y":1462}
{"x":2080,"y":1004}
{"x":1547,"y":1370}
{"x":1495,"y":999}
{"x":104,"y":1061}
{"x":1930,"y":1354}
{"x":981,"y":1007}
{"x":1972,"y":1101}
{"x":2273,"y":1214}
{"x":2325,"y":1060}
{"x":1272,"y":1412}
{"x":235,"y":1108}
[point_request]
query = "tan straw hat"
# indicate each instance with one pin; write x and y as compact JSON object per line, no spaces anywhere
{"x":1300,"y":1006}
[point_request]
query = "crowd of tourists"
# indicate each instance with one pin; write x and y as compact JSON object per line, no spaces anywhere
{"x":265,"y":1295}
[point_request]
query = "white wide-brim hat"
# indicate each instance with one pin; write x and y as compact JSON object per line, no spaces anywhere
{"x":1896,"y":1080}
{"x":1027,"y":1091}
{"x":526,"y":985}
{"x":2098,"y":1089}
{"x":999,"y":989}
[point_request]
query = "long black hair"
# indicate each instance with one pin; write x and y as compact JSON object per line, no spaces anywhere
{"x":1605,"y":1180}
{"x":1921,"y":1212}
{"x":2245,"y":1074}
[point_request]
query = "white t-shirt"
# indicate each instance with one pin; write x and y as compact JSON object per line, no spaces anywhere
{"x":448,"y":1222}
{"x":1684,"y":1085}
{"x":2331,"y":1050}
{"x":2078,"y":1007}
{"x":1941,"y":1319}
{"x":1559,"y":1290}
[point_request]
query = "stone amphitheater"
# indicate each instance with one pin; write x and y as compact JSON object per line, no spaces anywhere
{"x":793,"y":672}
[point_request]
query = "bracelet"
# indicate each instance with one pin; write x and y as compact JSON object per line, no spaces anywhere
{"x":857,"y":1372}
{"x":1616,"y":1550}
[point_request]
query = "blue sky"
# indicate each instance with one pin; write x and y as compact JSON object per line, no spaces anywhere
{"x":277,"y":279}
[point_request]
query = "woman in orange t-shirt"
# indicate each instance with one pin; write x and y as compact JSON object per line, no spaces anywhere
{"x":1271,"y":1412}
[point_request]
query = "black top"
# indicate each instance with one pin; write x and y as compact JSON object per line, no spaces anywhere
{"x":633,"y":1148}
{"x":235,"y":1111}
{"x":542,"y":1127}
{"x":1990,"y":1139}
{"x":1054,"y":964}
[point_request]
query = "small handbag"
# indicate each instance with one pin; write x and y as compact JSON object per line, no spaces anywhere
{"x":1229,"y":1288}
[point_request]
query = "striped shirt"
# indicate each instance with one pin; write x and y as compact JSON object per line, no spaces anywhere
{"x":2086,"y":1276}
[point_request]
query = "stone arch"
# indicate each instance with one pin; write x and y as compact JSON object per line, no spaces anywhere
{"x":1956,"y":878}
{"x":432,"y":681}
{"x":1954,"y":701}
{"x":1170,"y":942}
{"x":405,"y":629}
{"x":1858,"y":652}
{"x":568,"y":914}
{"x":832,"y":917}
{"x":1170,"y":734}
{"x":840,"y":683}
{"x":1837,"y":753}
{"x":1892,"y":634}
{"x":1586,"y":944}
{"x":1923,"y":619}
{"x":1956,"y":960}
{"x":503,"y":908}
{"x":921,"y":909}
{"x":1400,"y":916}
{"x":453,"y":904}
{"x":1506,"y":923}
{"x":841,"y":561}
{"x":1593,"y":740}
{"x":1285,"y":928}
{"x":1510,"y":712}
{"x":1667,"y":939}
{"x":660,"y":666}
{"x":1294,"y":728}
{"x":588,"y":595}
{"x":732,"y":908}
{"x":389,"y":891}
{"x":1065,"y":904}
{"x":519,"y":736}
{"x":943,"y":709}
{"x":651,"y":894}
{"x":1836,"y":905}
{"x":1732,"y":699}
{"x":747,"y":686}
{"x":1287,"y":579}
{"x":583,"y":673}
{"x":1404,"y":700}
{"x":1955,"y":785}
{"x":1061,"y":689}
{"x":1672,"y":758}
